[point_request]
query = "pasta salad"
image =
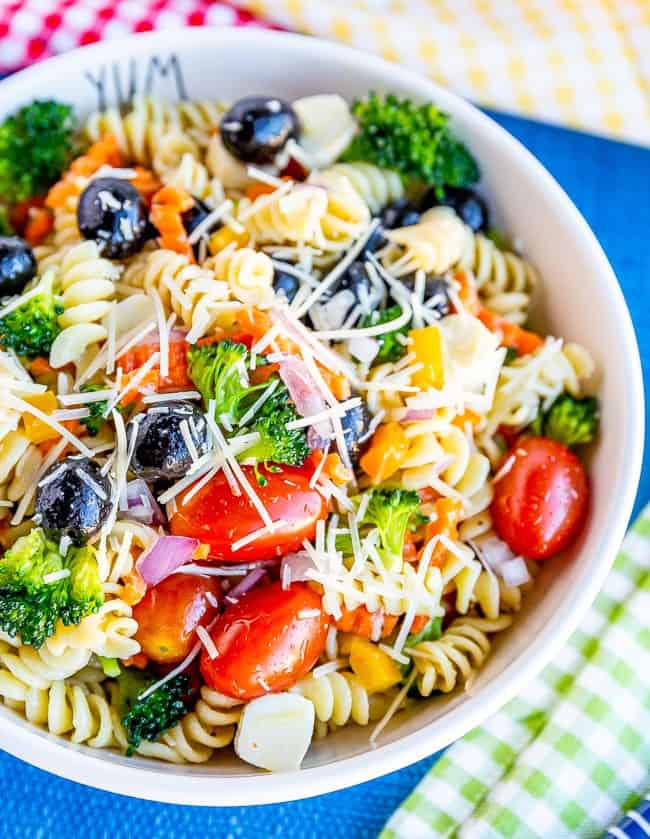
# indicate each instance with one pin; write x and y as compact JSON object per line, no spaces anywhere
{"x":278,"y":452}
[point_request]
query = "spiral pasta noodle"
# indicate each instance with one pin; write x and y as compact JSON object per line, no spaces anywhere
{"x":327,"y":216}
{"x":191,"y":291}
{"x":88,"y":285}
{"x":108,"y":632}
{"x":209,"y":726}
{"x":378,"y":187}
{"x":505,"y":281}
{"x":38,"y":668}
{"x":249,"y":274}
{"x":340,"y":698}
{"x":444,"y":459}
{"x":462,"y":648}
{"x":193,"y":177}
{"x":20,"y":461}
{"x":433,"y":245}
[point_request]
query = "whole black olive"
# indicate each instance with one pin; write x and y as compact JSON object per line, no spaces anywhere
{"x":113,"y":213}
{"x":355,"y":424}
{"x":161,"y":449}
{"x":468,"y":204}
{"x":285,"y":284}
{"x":256,"y":128}
{"x":73,"y":498}
{"x":17,"y":265}
{"x":436,"y":294}
{"x":193,"y":217}
{"x":400,"y":213}
{"x":356,"y":280}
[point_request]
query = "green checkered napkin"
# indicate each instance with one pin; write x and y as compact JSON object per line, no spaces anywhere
{"x":572,"y":752}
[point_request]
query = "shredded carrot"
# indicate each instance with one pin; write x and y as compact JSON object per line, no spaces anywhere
{"x":19,"y":213}
{"x":73,"y":426}
{"x":167,"y":207}
{"x":258,"y":188}
{"x":105,"y":152}
{"x":40,"y":366}
{"x":514,"y":336}
{"x":333,"y":467}
{"x":39,"y":224}
{"x":419,"y":622}
{"x":134,"y":588}
{"x":138,"y":660}
{"x":386,"y":452}
{"x":218,"y":335}
{"x":145,"y":182}
{"x":362,"y":622}
{"x":468,"y":292}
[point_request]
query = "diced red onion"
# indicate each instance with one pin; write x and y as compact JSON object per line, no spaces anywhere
{"x":175,"y":335}
{"x":301,"y":386}
{"x":143,"y":507}
{"x":167,"y":554}
{"x":245,"y":585}
{"x":495,"y":552}
{"x":417,"y":414}
{"x":514,"y":572}
{"x":299,"y":564}
{"x":364,"y":349}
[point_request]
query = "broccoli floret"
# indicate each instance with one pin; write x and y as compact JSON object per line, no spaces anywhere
{"x":96,"y":419}
{"x":31,"y":328}
{"x":218,"y":371}
{"x":570,"y":421}
{"x":415,"y":140}
{"x":431,"y":632}
{"x":390,"y":511}
{"x":36,"y":145}
{"x":148,"y":718}
{"x":85,"y":594}
{"x":30,"y":606}
{"x":277,"y":444}
{"x":390,"y":347}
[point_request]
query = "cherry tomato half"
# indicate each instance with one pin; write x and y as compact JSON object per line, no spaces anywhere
{"x":266,"y":642}
{"x":540,"y":504}
{"x":219,"y":518}
{"x":169,"y":613}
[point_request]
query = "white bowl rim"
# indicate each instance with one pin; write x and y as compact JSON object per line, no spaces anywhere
{"x":143,"y":780}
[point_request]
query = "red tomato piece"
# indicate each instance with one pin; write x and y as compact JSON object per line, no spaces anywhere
{"x":169,"y":613}
{"x":540,"y":504}
{"x":218,"y":518}
{"x":177,"y":378}
{"x":266,"y":642}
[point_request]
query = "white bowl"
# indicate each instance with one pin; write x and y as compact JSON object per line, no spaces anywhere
{"x":581,"y":301}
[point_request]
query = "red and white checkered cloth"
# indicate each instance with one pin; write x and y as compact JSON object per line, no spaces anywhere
{"x":35,"y":29}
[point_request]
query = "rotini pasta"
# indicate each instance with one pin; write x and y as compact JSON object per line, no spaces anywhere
{"x":192,"y":292}
{"x":433,"y":245}
{"x":88,"y":285}
{"x":462,"y":649}
{"x":249,"y":274}
{"x":505,"y":281}
{"x":378,"y":187}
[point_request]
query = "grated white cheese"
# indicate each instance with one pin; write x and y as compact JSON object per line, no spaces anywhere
{"x":338,"y":410}
{"x":149,"y":364}
{"x":328,"y":667}
{"x":55,"y":576}
{"x":153,"y":398}
{"x":207,"y":641}
{"x":254,"y":408}
{"x":187,"y":438}
{"x":393,"y":708}
{"x":503,"y":471}
{"x":25,"y":408}
{"x":307,"y":614}
{"x":90,"y":482}
{"x":209,"y":222}
{"x":255,"y":535}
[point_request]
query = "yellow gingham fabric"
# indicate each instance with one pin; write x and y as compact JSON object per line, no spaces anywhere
{"x":581,"y":63}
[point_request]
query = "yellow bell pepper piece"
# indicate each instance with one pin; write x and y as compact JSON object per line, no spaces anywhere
{"x":426,"y":344}
{"x":35,"y":429}
{"x":388,"y":448}
{"x":375,"y":669}
{"x":224,"y":237}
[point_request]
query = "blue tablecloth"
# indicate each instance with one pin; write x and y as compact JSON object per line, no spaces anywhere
{"x":610,"y":183}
